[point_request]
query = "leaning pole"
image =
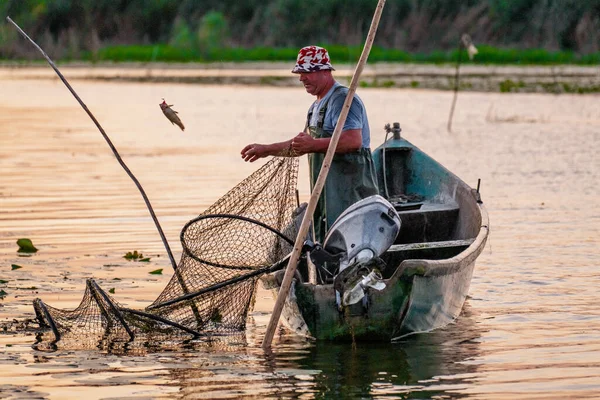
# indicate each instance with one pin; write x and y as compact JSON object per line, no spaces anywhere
{"x":314,"y":197}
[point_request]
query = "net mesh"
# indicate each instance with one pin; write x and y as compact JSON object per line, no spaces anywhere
{"x":225,"y":251}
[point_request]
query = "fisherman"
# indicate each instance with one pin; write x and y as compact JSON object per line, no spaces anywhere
{"x":351,"y":176}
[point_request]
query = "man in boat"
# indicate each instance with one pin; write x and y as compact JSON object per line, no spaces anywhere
{"x":351,"y":176}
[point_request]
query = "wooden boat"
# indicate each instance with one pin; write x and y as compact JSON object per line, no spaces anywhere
{"x":428,"y":269}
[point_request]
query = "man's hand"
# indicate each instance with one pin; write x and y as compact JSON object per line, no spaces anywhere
{"x":350,"y":141}
{"x":254,"y":151}
{"x":303,"y":143}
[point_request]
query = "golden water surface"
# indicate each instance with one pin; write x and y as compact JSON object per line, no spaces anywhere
{"x":530,"y":327}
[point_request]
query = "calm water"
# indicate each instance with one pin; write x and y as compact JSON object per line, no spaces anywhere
{"x":530,"y":328}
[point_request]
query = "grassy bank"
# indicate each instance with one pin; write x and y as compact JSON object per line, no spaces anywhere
{"x":340,"y":54}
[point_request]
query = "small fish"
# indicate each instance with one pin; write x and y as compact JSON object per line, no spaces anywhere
{"x":171,"y":114}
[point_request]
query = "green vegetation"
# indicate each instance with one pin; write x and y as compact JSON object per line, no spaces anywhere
{"x":156,"y":272}
{"x":135,"y":256}
{"x":486,"y":55}
{"x":15,"y":266}
{"x":509,"y":86}
{"x":578,"y":89}
{"x":26,"y":246}
{"x":425,"y":31}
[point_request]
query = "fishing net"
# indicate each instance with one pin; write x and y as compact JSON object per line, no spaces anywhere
{"x":246,"y":233}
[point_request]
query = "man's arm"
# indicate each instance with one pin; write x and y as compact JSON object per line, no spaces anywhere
{"x":254,"y":151}
{"x":350,"y":141}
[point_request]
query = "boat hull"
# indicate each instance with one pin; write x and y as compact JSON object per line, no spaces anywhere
{"x":422,"y":295}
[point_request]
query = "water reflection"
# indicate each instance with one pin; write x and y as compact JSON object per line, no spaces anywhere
{"x":430,"y":365}
{"x":422,"y":366}
{"x":437,"y":364}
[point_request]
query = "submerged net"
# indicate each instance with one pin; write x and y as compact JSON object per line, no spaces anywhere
{"x":225,"y":251}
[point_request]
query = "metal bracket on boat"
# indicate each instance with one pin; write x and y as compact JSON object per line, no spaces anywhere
{"x":319,"y":256}
{"x":352,"y":282}
{"x":357,"y":293}
{"x":476,"y":193}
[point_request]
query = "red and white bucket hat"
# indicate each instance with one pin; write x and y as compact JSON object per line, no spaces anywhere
{"x":311,"y":59}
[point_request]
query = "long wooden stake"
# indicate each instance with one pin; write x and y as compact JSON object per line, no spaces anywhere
{"x":112,"y":147}
{"x":312,"y":204}
{"x":456,"y":85}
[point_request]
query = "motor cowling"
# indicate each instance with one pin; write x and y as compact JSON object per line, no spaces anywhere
{"x":363,"y":231}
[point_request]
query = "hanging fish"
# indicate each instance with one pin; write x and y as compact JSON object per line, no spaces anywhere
{"x":171,"y":114}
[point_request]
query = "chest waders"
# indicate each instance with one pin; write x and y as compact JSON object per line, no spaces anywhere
{"x":351,"y":177}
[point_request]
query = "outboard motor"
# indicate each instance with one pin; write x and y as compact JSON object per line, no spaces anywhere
{"x":351,"y":249}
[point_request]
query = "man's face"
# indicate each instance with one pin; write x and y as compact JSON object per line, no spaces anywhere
{"x":314,"y":82}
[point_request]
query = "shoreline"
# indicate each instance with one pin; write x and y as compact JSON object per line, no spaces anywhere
{"x":479,"y":78}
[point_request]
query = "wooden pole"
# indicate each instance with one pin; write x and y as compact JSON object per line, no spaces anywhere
{"x":312,"y":204}
{"x":456,"y":78}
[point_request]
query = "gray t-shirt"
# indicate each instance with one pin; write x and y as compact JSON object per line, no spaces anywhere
{"x":357,"y":116}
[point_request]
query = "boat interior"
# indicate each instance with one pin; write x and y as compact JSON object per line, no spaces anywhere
{"x":438,"y":212}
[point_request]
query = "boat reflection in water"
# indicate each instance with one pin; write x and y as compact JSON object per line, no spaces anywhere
{"x":420,"y":366}
{"x":423,"y":365}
